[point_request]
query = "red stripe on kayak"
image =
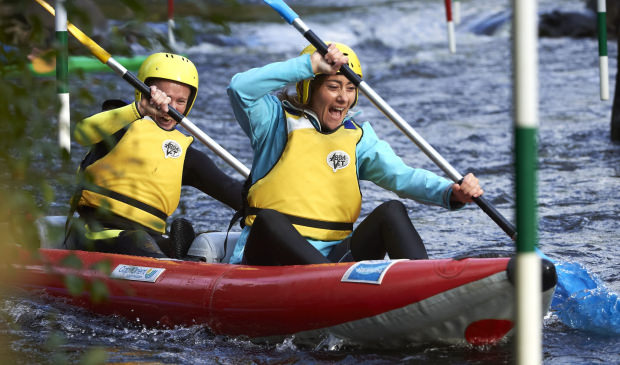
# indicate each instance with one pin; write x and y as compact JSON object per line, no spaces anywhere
{"x":487,"y":331}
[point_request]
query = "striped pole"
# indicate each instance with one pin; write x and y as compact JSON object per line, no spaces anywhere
{"x":528,"y":266}
{"x":171,"y":39}
{"x":62,"y":72}
{"x":457,"y":11}
{"x":601,"y":22}
{"x":451,"y":40}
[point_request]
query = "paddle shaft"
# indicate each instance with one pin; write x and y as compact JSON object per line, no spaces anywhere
{"x":292,"y":18}
{"x":108,"y":60}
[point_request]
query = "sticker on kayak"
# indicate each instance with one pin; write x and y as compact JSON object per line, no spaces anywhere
{"x":137,"y":273}
{"x":369,"y":272}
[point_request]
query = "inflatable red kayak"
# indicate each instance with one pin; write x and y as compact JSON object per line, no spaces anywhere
{"x":387,"y":303}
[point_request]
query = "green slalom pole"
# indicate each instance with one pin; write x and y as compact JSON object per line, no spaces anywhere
{"x":62,"y":72}
{"x":601,"y":24}
{"x":528,"y":264}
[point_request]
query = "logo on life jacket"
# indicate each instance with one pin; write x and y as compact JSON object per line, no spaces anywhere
{"x":338,"y":160}
{"x":172,"y":149}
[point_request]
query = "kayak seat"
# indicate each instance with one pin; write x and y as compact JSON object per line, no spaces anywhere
{"x":206,"y":247}
{"x":209,"y":247}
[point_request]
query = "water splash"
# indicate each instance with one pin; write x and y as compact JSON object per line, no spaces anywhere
{"x":582,"y":301}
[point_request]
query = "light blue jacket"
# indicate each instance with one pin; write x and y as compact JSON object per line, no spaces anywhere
{"x":261,"y":116}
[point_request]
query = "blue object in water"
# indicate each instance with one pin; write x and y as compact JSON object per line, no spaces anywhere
{"x":582,"y":301}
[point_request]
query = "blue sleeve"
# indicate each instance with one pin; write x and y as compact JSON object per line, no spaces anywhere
{"x":378,"y":163}
{"x":254,"y":107}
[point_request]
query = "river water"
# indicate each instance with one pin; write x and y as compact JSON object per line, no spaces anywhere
{"x":462,"y":105}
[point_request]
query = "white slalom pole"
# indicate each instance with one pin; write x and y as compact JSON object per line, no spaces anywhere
{"x":62,"y":71}
{"x":601,"y":23}
{"x":528,"y":266}
{"x":171,"y":25}
{"x":456,"y":9}
{"x":451,"y":36}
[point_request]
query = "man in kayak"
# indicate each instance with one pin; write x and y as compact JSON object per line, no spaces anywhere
{"x":303,"y":194}
{"x":138,"y":161}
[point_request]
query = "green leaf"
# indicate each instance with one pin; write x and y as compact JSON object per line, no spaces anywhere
{"x":72,"y":261}
{"x":94,"y":356}
{"x":54,"y":344}
{"x":104,"y":266}
{"x":74,"y":284}
{"x":98,"y":291}
{"x":47,"y":192}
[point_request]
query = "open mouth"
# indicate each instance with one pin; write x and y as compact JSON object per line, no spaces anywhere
{"x":166,"y":123}
{"x":336,"y":113}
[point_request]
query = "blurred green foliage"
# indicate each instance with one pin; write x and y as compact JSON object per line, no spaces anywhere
{"x":33,"y":170}
{"x":36,"y":176}
{"x":29,"y":153}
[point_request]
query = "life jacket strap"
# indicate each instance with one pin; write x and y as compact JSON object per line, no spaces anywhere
{"x":101,"y":235}
{"x":315,"y":223}
{"x":128,"y":200}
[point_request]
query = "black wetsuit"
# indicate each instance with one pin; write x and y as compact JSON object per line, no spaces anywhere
{"x":387,"y":229}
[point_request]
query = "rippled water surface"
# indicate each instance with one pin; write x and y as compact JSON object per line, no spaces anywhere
{"x":461,"y":104}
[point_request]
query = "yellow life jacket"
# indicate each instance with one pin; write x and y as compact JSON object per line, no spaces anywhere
{"x":140,"y":178}
{"x":314,"y":182}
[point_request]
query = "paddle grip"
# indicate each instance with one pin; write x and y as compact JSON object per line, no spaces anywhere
{"x":284,"y":10}
{"x":146,"y":91}
{"x":497,"y":217}
{"x":322,"y":48}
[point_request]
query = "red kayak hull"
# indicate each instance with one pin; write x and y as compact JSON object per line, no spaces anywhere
{"x":308,"y":301}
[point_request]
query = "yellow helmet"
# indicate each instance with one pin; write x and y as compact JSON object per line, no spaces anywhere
{"x":303,"y":87}
{"x":173,"y":67}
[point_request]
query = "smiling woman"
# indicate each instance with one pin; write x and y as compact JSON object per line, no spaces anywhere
{"x":304,"y":195}
{"x":334,"y":95}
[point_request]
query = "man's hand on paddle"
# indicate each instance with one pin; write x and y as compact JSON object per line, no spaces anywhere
{"x":467,"y":190}
{"x":156,"y":106}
